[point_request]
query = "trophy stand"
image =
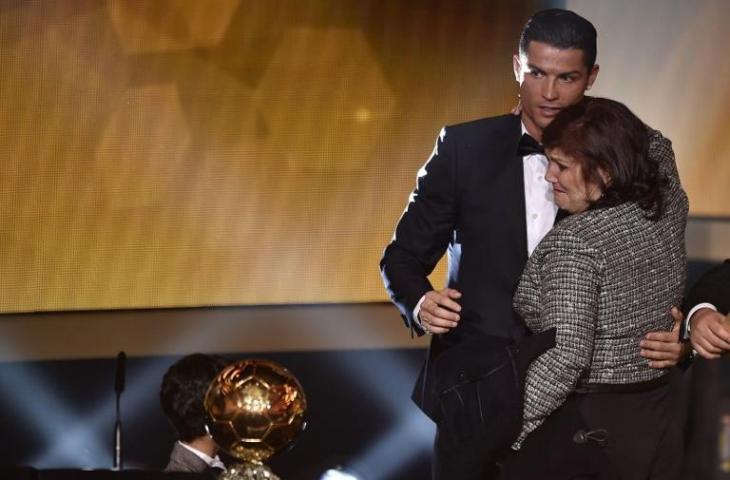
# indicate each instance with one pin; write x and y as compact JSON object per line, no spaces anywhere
{"x":248,"y":471}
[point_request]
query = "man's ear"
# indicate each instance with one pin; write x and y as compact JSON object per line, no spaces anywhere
{"x":592,"y":76}
{"x":517,"y":67}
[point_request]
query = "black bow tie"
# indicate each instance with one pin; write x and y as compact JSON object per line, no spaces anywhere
{"x":529,"y":146}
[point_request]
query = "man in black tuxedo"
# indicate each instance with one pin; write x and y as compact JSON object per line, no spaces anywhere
{"x":708,"y":328}
{"x":482,"y":198}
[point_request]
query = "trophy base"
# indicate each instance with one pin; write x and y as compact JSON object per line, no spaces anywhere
{"x":248,"y":471}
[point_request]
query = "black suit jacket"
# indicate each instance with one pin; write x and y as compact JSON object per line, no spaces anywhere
{"x":469,"y":201}
{"x":712,"y":287}
{"x":708,"y":381}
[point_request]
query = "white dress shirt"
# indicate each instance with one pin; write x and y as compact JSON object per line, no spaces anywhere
{"x":695,"y":309}
{"x":539,"y":204}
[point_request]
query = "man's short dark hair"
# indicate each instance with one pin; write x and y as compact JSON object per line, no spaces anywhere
{"x":183,"y":391}
{"x":561,"y":29}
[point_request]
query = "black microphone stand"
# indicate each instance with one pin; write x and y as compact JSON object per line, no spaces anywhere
{"x":118,"y":389}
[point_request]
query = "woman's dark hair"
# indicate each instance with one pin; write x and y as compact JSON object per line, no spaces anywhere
{"x":603,"y":134}
{"x":562,"y":29}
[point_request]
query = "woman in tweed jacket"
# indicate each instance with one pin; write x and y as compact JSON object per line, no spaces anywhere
{"x":604,"y":277}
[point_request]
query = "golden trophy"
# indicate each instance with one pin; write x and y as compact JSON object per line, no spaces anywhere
{"x":255,"y":408}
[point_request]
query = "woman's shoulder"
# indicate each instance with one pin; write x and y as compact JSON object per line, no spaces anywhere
{"x":592,"y":229}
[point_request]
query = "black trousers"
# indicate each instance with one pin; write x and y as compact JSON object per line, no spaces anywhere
{"x":467,"y":462}
{"x":476,"y":399}
{"x":606,"y":436}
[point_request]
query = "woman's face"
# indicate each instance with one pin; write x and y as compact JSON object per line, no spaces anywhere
{"x":571,"y":191}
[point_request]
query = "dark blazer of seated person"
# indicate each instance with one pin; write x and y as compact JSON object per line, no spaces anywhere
{"x":707,"y":306}
{"x":184,"y":460}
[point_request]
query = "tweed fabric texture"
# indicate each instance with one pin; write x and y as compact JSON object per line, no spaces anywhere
{"x":604,"y":278}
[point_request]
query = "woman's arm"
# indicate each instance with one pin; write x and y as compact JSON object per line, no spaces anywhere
{"x":566,"y":289}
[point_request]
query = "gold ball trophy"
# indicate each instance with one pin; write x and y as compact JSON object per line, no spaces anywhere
{"x":255,"y":408}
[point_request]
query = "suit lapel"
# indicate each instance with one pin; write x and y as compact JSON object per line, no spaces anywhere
{"x":516,"y":198}
{"x":510,"y":194}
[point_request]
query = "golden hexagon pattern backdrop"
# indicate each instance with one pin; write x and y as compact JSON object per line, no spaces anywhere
{"x":175,"y":153}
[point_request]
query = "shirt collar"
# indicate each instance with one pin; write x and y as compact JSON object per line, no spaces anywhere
{"x":210,"y":461}
{"x":524,"y":131}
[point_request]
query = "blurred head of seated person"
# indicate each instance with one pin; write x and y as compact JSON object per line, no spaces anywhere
{"x":589,"y":169}
{"x":181,"y":395}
